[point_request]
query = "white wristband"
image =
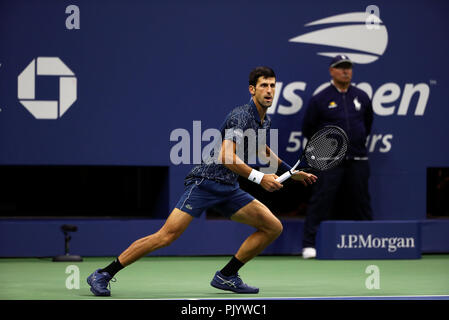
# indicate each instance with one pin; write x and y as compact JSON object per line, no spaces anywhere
{"x":255,"y":176}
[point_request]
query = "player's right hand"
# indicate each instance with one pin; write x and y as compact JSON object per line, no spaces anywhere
{"x":269,"y":183}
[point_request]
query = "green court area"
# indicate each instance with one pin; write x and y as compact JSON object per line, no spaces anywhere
{"x":277,"y":277}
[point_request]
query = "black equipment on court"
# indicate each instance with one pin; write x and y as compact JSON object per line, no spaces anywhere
{"x":66,"y":228}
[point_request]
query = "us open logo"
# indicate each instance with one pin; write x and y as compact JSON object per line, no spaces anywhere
{"x":26,"y":92}
{"x":366,"y":42}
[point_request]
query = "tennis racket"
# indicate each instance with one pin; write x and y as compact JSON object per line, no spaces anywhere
{"x":325,"y":150}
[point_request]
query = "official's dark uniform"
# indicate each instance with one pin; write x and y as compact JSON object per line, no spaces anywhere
{"x":342,"y":192}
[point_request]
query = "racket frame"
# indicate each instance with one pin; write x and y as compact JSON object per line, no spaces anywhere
{"x":293,"y":170}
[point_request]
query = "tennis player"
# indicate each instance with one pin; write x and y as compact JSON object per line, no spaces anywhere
{"x":214,"y":184}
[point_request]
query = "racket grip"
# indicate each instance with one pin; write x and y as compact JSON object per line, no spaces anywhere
{"x":284,"y":177}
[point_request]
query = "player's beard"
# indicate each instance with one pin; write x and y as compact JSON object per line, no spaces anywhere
{"x":264,"y":104}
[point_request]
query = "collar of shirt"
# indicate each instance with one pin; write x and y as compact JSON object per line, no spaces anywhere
{"x":256,"y":112}
{"x":333,"y":84}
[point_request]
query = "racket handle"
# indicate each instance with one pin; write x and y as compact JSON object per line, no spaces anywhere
{"x":284,"y":177}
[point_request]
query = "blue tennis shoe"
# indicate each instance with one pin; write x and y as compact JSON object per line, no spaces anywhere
{"x":232,"y":283}
{"x":99,"y":283}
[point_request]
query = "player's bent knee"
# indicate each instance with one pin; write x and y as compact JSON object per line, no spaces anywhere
{"x":273,"y":228}
{"x":276,"y":228}
{"x":167,"y":238}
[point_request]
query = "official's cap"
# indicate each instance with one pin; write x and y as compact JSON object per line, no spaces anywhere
{"x":341,"y":58}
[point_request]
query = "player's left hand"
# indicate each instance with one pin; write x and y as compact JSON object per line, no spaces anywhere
{"x":304,"y":177}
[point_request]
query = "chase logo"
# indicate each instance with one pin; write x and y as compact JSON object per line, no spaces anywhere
{"x":351,"y":35}
{"x":46,"y":109}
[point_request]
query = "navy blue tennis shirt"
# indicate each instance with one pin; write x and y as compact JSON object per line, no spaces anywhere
{"x":351,"y":110}
{"x":240,"y":118}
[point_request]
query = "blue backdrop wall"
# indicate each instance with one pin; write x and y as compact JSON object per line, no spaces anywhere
{"x":113,"y":91}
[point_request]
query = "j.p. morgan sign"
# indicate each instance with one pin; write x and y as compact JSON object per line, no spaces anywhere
{"x":369,"y":240}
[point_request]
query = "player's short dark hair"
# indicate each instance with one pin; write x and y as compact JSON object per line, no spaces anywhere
{"x":264,"y":72}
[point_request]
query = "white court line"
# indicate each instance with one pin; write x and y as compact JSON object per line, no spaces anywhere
{"x":307,"y":298}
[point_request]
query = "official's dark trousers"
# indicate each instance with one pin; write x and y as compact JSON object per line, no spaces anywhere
{"x":339,"y":194}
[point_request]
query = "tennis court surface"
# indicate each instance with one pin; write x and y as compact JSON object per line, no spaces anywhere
{"x":278,"y":277}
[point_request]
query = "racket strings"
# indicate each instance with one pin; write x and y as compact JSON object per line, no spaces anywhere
{"x":327,"y":148}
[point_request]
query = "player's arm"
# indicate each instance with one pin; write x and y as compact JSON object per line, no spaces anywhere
{"x":304,"y":177}
{"x":231,"y":161}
